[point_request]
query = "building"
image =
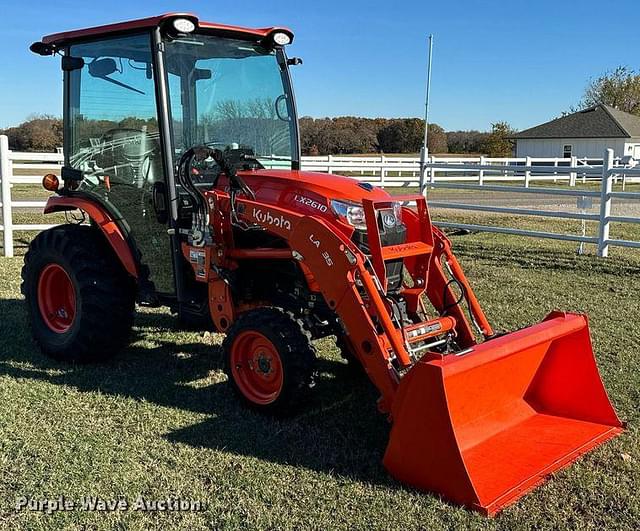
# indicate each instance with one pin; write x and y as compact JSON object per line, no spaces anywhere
{"x":583,"y":134}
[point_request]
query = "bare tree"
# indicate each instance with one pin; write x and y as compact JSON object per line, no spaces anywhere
{"x":619,"y":88}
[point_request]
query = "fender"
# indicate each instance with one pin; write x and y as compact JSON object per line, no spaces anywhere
{"x":102,"y":219}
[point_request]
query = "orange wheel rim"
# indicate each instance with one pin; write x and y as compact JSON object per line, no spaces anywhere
{"x":256,"y":367}
{"x":56,"y":298}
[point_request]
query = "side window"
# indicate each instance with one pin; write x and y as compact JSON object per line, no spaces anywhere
{"x":115,"y":141}
{"x":567,"y":151}
{"x":113,"y":121}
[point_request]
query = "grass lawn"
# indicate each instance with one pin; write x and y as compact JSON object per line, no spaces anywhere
{"x":29,"y":192}
{"x":159,"y":419}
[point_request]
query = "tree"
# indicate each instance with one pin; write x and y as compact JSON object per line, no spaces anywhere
{"x":37,"y":133}
{"x":466,"y":141}
{"x":406,"y":135}
{"x":346,"y":134}
{"x":619,"y":88}
{"x":400,"y":136}
{"x":497,"y":143}
{"x":437,"y":139}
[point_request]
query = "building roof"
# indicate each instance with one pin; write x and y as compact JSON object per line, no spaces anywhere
{"x":600,"y":121}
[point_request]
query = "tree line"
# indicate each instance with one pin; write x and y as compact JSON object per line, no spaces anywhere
{"x":619,"y":88}
{"x":318,"y":136}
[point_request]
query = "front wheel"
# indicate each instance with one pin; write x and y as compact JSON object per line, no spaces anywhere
{"x":269,"y":360}
{"x":79,"y":299}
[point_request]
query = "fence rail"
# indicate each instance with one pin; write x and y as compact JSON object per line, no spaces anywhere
{"x":610,"y":171}
{"x":454,"y":173}
{"x":37,"y":164}
{"x":390,"y":172}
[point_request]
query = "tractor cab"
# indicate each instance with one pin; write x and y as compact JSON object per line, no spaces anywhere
{"x":139,"y":94}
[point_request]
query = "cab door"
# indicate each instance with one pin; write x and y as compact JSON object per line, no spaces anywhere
{"x":113,"y":138}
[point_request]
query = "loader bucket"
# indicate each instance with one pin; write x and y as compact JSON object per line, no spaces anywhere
{"x":484,"y":428}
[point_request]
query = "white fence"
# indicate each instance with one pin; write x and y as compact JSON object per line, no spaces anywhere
{"x":455,"y":173}
{"x":31,"y":167}
{"x":607,"y":174}
{"x":391,"y":172}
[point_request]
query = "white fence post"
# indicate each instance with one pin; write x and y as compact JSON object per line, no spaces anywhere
{"x":481,"y":174}
{"x":527,"y":173}
{"x":432,"y":172}
{"x":5,"y":184}
{"x":382,"y":171}
{"x":422,"y":174}
{"x":573,"y":175}
{"x":605,"y":203}
{"x":329,"y":163}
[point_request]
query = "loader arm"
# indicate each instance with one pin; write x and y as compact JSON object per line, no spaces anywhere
{"x":482,"y":426}
{"x":349,"y":287}
{"x":444,"y":271}
{"x":353,"y":285}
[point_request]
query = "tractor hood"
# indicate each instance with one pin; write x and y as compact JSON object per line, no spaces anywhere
{"x":281,"y":186}
{"x":310,"y":193}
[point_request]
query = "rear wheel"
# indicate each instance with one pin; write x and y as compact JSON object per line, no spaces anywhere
{"x":79,"y":299}
{"x":269,"y":360}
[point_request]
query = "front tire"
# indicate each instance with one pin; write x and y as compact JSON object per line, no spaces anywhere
{"x":79,"y":299}
{"x":269,"y":360}
{"x":353,"y":364}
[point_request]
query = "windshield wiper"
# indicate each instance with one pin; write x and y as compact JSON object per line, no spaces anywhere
{"x":120,"y":84}
{"x":270,"y":157}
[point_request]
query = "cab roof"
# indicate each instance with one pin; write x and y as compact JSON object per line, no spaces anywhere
{"x":60,"y":39}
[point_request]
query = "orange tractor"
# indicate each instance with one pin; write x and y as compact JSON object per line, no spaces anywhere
{"x":182,"y":187}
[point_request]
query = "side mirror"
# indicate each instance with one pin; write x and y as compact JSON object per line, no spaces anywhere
{"x":159,"y":199}
{"x":202,"y":73}
{"x":102,"y":67}
{"x":70,"y":63}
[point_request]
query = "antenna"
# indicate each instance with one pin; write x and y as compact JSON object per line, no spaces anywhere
{"x":424,"y":152}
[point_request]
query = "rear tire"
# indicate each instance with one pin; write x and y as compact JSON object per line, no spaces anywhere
{"x":269,"y":360}
{"x":80,"y":301}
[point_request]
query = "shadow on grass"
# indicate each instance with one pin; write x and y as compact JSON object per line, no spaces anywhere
{"x":337,"y":431}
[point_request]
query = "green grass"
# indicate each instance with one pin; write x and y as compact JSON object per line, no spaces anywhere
{"x":159,"y":419}
{"x":29,"y":192}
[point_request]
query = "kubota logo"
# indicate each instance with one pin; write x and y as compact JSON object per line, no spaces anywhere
{"x":403,"y":247}
{"x":266,"y":217}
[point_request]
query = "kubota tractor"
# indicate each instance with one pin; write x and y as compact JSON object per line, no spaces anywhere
{"x":182,"y":187}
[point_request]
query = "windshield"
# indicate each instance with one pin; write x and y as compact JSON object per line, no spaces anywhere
{"x":233,"y":94}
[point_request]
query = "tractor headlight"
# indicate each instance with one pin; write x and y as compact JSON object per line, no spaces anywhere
{"x":352,"y":213}
{"x":183,"y":25}
{"x":281,"y":38}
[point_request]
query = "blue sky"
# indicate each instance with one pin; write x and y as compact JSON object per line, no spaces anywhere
{"x":520,"y":61}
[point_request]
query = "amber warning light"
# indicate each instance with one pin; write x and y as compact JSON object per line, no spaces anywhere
{"x":50,"y":182}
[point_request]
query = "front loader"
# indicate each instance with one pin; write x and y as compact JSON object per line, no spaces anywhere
{"x":182,"y":187}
